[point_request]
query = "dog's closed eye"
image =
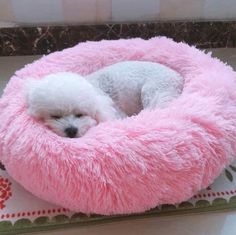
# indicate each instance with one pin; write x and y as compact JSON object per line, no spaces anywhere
{"x":56,"y":116}
{"x":79,"y":115}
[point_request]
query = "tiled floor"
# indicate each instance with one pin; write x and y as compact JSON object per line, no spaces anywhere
{"x":223,"y":223}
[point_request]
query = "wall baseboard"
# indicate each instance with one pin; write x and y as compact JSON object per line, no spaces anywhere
{"x":40,"y":40}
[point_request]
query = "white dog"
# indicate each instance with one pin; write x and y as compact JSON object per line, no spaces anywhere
{"x":71,"y":104}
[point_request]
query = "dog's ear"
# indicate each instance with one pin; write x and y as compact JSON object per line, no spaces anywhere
{"x":29,"y":87}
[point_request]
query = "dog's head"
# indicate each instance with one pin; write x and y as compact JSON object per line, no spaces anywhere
{"x":67,"y":103}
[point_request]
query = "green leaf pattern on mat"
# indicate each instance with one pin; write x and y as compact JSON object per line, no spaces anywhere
{"x":202,"y":203}
{"x":219,"y":201}
{"x":41,"y":220}
{"x":61,"y":218}
{"x":186,"y":205}
{"x":4,"y":225}
{"x":22,"y":223}
{"x":58,"y":221}
{"x":167,"y":207}
{"x":232,"y":199}
{"x":79,"y":217}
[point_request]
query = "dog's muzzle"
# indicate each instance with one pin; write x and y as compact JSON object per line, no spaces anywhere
{"x":71,"y":132}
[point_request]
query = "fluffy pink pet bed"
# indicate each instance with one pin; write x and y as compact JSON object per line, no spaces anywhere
{"x":158,"y":157}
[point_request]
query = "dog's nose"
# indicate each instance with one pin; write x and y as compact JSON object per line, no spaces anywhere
{"x":71,"y":131}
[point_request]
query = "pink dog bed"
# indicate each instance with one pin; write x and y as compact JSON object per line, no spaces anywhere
{"x":159,"y":157}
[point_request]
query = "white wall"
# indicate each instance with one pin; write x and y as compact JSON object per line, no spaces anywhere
{"x":99,"y":11}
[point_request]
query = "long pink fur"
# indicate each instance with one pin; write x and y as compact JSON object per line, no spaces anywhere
{"x":163,"y":156}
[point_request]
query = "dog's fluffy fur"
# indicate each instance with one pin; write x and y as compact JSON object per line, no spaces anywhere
{"x":71,"y":104}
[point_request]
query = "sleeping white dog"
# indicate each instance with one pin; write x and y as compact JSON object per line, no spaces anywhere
{"x":70,"y":104}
